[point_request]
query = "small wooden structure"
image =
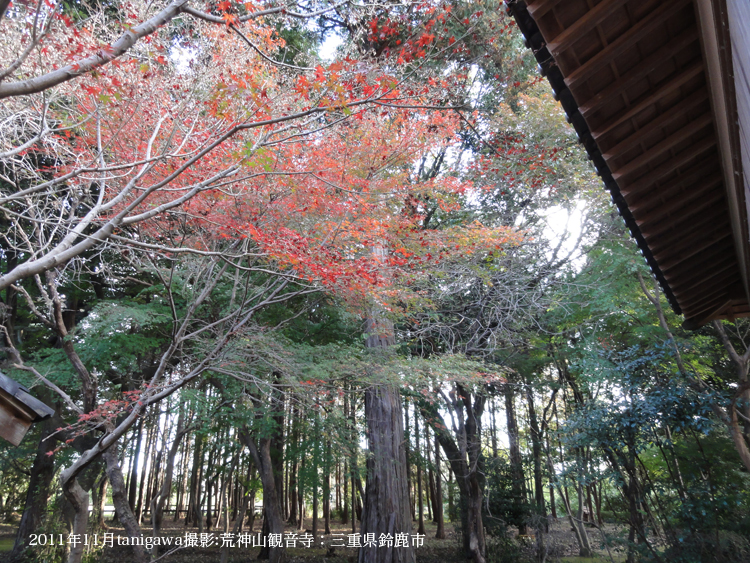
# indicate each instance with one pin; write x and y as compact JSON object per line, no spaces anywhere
{"x":18,"y":410}
{"x":659,"y":95}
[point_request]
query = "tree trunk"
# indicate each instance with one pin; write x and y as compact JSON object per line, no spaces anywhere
{"x":79,"y":499}
{"x":420,"y":496}
{"x":40,"y":480}
{"x":292,"y":487}
{"x":273,"y":521}
{"x":119,"y":499}
{"x":192,"y":515}
{"x":184,"y":473}
{"x":464,"y":457}
{"x":149,"y":442}
{"x":407,"y":442}
{"x":157,"y":506}
{"x":345,"y":509}
{"x":100,"y":502}
{"x":386,"y":503}
{"x":301,"y":499}
{"x":438,"y":494}
{"x":536,"y":448}
{"x":327,"y":491}
{"x":516,"y":465}
{"x":315,"y":506}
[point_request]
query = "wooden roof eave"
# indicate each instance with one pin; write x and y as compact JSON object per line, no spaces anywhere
{"x":713,"y":33}
{"x":716,"y":44}
{"x":549,"y":69}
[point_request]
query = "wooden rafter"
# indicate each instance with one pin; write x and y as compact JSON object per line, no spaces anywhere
{"x":694,"y":212}
{"x":584,"y":24}
{"x":651,"y":98}
{"x":682,"y":159}
{"x":624,"y":42}
{"x":666,"y":239}
{"x":703,"y":260}
{"x":678,"y":257}
{"x":713,"y":307}
{"x":695,"y":179}
{"x":664,"y":146}
{"x":688,"y":197}
{"x":687,"y":284}
{"x":541,"y":7}
{"x":639,"y":72}
{"x":649,"y":90}
{"x":664,"y":120}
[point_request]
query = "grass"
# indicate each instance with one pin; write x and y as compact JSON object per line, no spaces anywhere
{"x":6,"y":544}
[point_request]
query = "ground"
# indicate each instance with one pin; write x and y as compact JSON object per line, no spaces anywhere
{"x":561,"y":546}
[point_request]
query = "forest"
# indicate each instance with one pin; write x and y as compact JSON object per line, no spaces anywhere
{"x":334,"y":281}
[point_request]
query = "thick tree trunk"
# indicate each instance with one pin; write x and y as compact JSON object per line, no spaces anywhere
{"x":79,"y":500}
{"x":273,"y":521}
{"x":464,"y":457}
{"x":40,"y":480}
{"x":386,"y":503}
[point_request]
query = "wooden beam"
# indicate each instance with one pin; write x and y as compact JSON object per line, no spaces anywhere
{"x":657,"y":212}
{"x":677,"y":257}
{"x":584,"y":25}
{"x":701,"y":299}
{"x":723,"y":79}
{"x":709,"y":311}
{"x":651,"y":99}
{"x":667,"y":118}
{"x":718,"y":293}
{"x":697,"y":322}
{"x":704,"y":171}
{"x":541,"y":7}
{"x":719,"y":285}
{"x":640,"y":71}
{"x":737,"y":308}
{"x":704,"y":261}
{"x":653,"y":176}
{"x":666,"y":145}
{"x":625,"y":42}
{"x":682,"y":224}
{"x":686,"y":284}
{"x":656,"y":242}
{"x":689,"y":289}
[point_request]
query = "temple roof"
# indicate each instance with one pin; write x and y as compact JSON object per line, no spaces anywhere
{"x":649,"y":87}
